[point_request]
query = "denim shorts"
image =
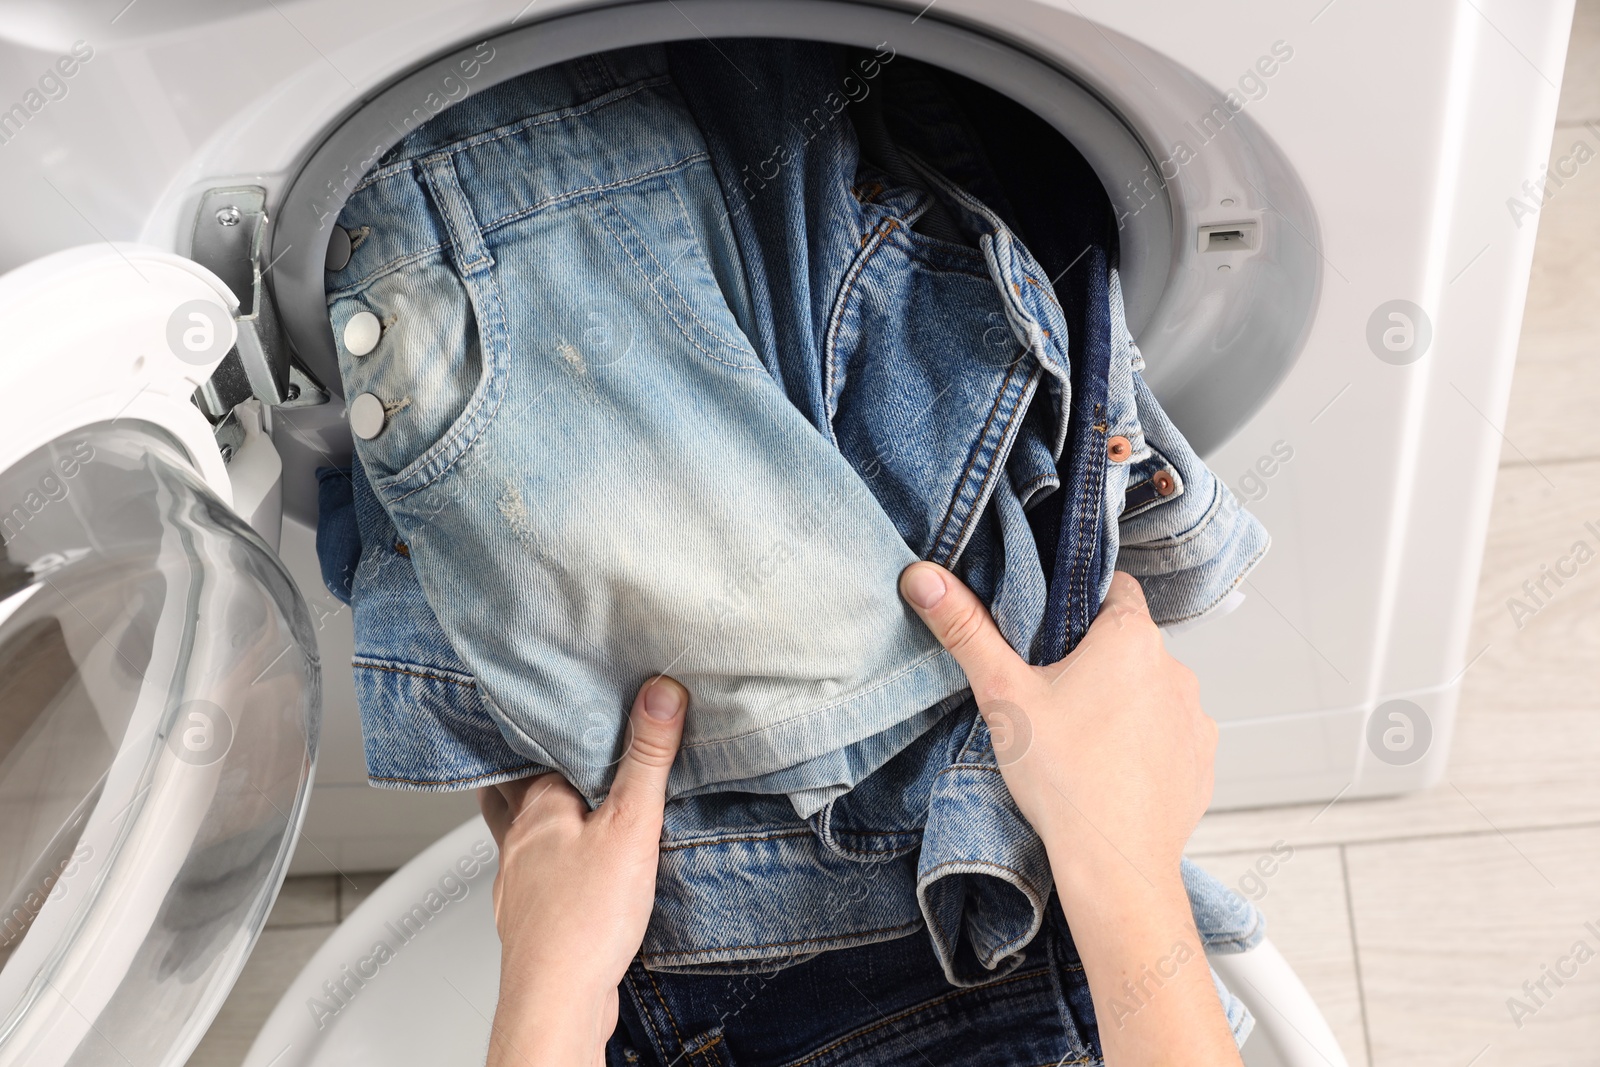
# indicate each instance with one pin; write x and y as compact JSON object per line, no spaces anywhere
{"x":592,"y":473}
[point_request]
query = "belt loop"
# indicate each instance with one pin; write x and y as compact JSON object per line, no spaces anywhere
{"x":467,"y":249}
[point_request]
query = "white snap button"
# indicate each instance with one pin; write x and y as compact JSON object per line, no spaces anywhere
{"x":366,"y":416}
{"x":338,"y":254}
{"x":361,"y":333}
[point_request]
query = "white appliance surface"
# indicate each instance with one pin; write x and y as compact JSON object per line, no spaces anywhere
{"x":1399,"y":130}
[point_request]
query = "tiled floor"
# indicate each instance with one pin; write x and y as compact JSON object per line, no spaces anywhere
{"x":1414,"y":920}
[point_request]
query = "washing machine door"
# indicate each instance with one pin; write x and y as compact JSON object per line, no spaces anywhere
{"x":158,"y":673}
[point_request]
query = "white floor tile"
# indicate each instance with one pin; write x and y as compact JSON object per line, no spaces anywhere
{"x":1449,"y":929}
{"x":1301,"y":891}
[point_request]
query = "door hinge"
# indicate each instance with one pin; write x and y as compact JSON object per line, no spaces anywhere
{"x":230,"y":235}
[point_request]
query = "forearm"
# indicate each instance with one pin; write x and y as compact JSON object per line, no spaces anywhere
{"x":1153,"y":996}
{"x":539,"y":1026}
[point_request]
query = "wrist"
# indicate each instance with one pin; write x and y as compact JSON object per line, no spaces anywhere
{"x":1113,"y":887}
{"x":560,"y":1021}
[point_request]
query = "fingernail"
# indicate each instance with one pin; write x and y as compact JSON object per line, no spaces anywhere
{"x":663,"y":701}
{"x":924,"y":587}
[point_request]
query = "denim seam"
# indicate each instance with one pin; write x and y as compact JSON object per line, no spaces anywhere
{"x":453,"y":781}
{"x":910,"y":927}
{"x":967,"y":766}
{"x":875,"y":241}
{"x":709,"y":842}
{"x":999,"y":451}
{"x":888,"y":853}
{"x":981,"y":449}
{"x":644,"y":1008}
{"x":468,"y":253}
{"x":926,"y":1005}
{"x":593,"y":190}
{"x":993,"y":957}
{"x":412,"y":673}
{"x":1201,"y":525}
{"x":665,"y":272}
{"x":657,"y":293}
{"x":1026,"y":490}
{"x":932,"y":654}
{"x":480,"y":411}
{"x":1089,"y":517}
{"x":501,"y":132}
{"x":1243,"y":575}
{"x":356,"y":288}
{"x":366,"y":280}
{"x":938,"y":255}
{"x":665,"y":1008}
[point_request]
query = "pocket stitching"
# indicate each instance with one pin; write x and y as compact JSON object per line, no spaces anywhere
{"x":656,"y":293}
{"x":475,"y":418}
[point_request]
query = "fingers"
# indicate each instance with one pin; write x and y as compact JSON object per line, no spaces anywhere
{"x":962,"y":624}
{"x":545,"y":794}
{"x":657,"y":718}
{"x":1126,"y":597}
{"x":496,"y":813}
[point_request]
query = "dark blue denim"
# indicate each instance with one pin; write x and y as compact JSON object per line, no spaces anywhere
{"x":338,"y":538}
{"x":885,"y":1004}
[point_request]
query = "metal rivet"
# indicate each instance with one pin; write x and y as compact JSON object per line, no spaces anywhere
{"x":338,"y":256}
{"x":1163,"y":483}
{"x":229,"y":216}
{"x":366,"y":416}
{"x":361,"y":333}
{"x":1119,"y":449}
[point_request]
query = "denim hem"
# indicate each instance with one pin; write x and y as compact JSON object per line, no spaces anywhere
{"x":457,"y":785}
{"x":777,"y":950}
{"x":1000,"y":958}
{"x":921,"y":685}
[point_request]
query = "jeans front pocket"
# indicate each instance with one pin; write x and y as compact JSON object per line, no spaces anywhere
{"x":438,"y":365}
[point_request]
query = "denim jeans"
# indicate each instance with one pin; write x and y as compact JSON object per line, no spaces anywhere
{"x":883,"y":1005}
{"x":577,"y":437}
{"x":904,"y":319}
{"x":832,"y":205}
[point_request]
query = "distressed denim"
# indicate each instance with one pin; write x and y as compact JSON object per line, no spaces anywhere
{"x":907,"y":322}
{"x":579,"y":440}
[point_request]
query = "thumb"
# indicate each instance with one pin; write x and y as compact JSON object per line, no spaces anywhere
{"x":656,"y":726}
{"x":963,"y":626}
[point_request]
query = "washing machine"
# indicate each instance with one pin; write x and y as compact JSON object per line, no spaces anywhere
{"x":1321,"y":267}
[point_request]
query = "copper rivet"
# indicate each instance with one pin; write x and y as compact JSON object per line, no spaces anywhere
{"x":1119,"y":449}
{"x":1163,"y":483}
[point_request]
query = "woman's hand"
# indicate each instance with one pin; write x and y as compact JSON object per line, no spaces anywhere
{"x":575,"y":889}
{"x":1109,"y":755}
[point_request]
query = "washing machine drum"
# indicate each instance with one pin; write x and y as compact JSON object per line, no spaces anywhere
{"x":158,"y":701}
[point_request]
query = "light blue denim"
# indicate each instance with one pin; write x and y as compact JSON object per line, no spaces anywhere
{"x":873,"y":282}
{"x":594,"y":475}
